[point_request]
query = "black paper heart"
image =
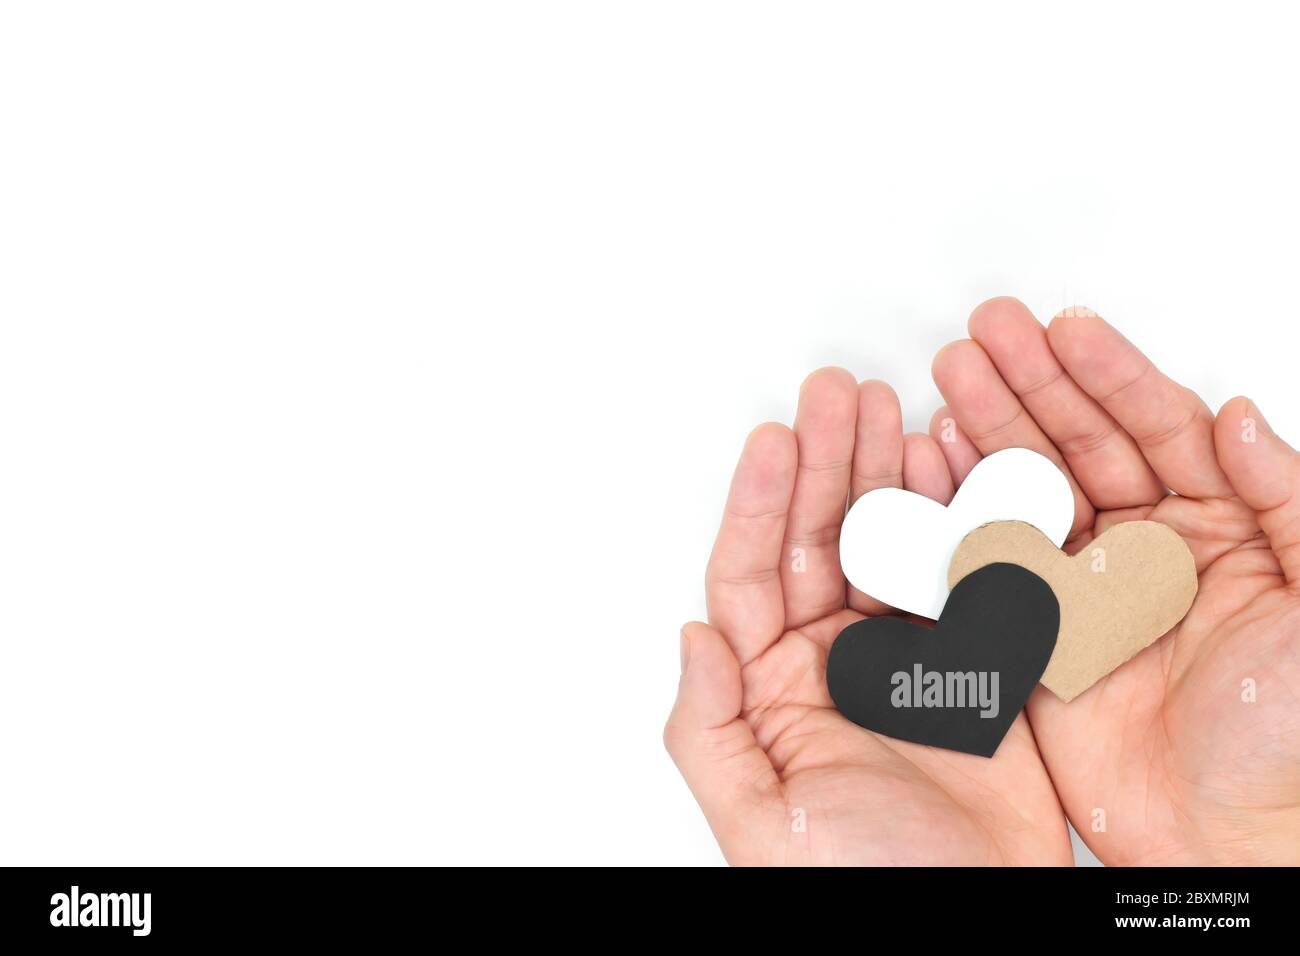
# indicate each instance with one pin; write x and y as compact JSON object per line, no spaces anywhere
{"x":989,"y":648}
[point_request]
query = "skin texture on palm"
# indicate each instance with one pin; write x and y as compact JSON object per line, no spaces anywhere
{"x":781,"y":776}
{"x":1164,"y":751}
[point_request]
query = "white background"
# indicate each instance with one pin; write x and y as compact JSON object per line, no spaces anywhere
{"x":371,"y":374}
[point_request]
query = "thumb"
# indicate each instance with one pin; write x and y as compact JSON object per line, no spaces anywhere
{"x":1265,"y":473}
{"x":715,"y":750}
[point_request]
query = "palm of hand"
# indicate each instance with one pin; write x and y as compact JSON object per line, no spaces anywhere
{"x":1169,"y":759}
{"x":780,"y":774}
{"x":849,"y":796}
{"x":1191,"y":751}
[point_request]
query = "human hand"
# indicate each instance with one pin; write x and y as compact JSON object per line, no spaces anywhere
{"x":781,"y":776}
{"x":1169,"y":753}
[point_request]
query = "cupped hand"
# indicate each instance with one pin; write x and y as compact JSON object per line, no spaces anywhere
{"x":780,"y":775}
{"x":1190,"y":752}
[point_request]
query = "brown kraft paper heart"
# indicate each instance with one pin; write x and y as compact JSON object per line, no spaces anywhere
{"x":1119,"y":594}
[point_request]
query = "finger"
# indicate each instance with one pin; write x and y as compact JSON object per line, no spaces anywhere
{"x":730,"y":776}
{"x":925,"y":471}
{"x":743,"y":580}
{"x":878,"y":448}
{"x":877,"y":460}
{"x":992,"y":416}
{"x":1265,"y":472}
{"x":1102,"y":456}
{"x":812,"y":583}
{"x":1171,"y":425}
{"x":958,"y":450}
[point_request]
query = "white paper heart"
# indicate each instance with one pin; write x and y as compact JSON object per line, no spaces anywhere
{"x":896,"y":545}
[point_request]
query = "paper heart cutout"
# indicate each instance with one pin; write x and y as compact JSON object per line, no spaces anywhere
{"x":1000,"y":620}
{"x":897,"y":545}
{"x":1119,"y":594}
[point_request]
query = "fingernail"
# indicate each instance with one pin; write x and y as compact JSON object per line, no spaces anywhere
{"x":686,"y":650}
{"x":1077,"y":311}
